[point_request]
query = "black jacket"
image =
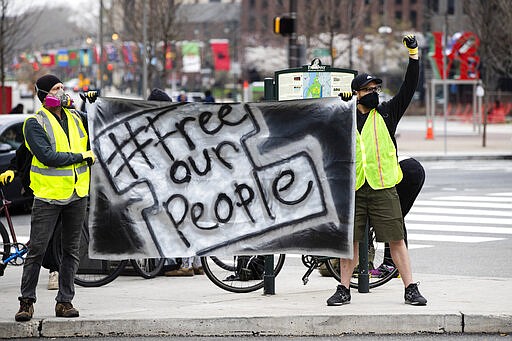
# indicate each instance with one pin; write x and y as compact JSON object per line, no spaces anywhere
{"x":21,"y":162}
{"x":40,"y":145}
{"x":393,"y":110}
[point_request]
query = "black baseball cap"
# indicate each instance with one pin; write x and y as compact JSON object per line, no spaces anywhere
{"x":363,"y":79}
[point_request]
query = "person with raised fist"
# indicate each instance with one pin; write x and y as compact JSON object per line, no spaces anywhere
{"x":378,"y":172}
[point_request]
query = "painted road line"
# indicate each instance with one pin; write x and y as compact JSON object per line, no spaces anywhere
{"x":434,"y":218}
{"x":459,"y":228}
{"x":450,"y":238}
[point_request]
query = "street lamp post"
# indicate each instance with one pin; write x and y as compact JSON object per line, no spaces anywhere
{"x":145,"y":53}
{"x":385,"y":31}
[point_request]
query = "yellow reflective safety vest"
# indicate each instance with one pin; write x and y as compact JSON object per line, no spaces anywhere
{"x":59,"y":182}
{"x":376,"y":160}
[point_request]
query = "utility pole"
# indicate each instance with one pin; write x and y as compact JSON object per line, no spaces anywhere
{"x":100,"y":40}
{"x":145,"y":54}
{"x":293,"y":49}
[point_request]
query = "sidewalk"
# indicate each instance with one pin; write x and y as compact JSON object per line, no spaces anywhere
{"x":193,"y":306}
{"x":462,"y":140}
{"x":132,"y":306}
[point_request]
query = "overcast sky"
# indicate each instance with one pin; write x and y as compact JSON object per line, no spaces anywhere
{"x":21,"y":6}
{"x":81,"y":10}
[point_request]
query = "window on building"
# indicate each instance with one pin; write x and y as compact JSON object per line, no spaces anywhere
{"x":322,"y":21}
{"x":451,"y":7}
{"x":264,"y":22}
{"x":398,"y":2}
{"x":337,"y":24}
{"x":264,"y":4}
{"x":435,"y":6}
{"x":414,"y":18}
{"x":252,"y":3}
{"x":398,"y":15}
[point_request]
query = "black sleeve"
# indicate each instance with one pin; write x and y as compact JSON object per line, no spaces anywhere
{"x":13,"y":163}
{"x":40,"y":146}
{"x":399,"y":103}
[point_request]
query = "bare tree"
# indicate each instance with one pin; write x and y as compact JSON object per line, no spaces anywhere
{"x":11,"y":29}
{"x":328,"y":19}
{"x":491,"y":21}
{"x":162,"y":29}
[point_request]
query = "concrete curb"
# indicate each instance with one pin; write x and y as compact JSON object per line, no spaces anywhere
{"x":262,"y":326}
{"x":462,"y":157}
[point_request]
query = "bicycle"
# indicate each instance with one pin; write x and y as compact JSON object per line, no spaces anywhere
{"x":99,"y":272}
{"x":243,"y":274}
{"x":12,"y":252}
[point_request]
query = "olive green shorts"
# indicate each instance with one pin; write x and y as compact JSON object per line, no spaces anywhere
{"x":383,"y":208}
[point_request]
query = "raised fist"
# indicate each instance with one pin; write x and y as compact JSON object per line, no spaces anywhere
{"x":410,"y":42}
{"x":345,"y":95}
{"x":90,"y":95}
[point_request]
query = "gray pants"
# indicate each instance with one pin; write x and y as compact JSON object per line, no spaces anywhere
{"x":44,"y":219}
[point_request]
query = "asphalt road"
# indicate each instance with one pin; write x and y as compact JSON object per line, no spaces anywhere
{"x":461,"y":222}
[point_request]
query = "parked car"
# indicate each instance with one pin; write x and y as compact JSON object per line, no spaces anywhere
{"x":11,"y":137}
{"x":25,"y":91}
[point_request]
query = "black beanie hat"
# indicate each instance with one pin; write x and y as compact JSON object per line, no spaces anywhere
{"x":45,"y":83}
{"x":159,"y":95}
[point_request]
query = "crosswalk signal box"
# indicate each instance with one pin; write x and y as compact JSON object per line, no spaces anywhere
{"x":284,"y":26}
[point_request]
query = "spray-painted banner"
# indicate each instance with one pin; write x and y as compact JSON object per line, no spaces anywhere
{"x":175,"y":180}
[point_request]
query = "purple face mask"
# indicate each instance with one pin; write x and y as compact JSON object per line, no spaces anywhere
{"x":60,"y":99}
{"x":51,"y":101}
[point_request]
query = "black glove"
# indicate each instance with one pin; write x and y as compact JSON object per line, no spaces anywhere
{"x":345,"y":95}
{"x":90,"y":95}
{"x":410,"y":42}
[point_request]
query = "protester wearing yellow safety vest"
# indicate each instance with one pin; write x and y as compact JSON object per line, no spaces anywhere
{"x":377,"y":173}
{"x":59,"y":176}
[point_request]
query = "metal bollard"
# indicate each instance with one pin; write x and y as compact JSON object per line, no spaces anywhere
{"x":269,"y":279}
{"x":364,"y":279}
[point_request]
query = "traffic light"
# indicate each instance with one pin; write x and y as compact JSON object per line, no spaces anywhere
{"x":284,"y":26}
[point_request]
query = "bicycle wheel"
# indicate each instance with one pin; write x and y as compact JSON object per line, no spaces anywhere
{"x":333,"y":266}
{"x":148,"y":267}
{"x":239,"y":274}
{"x":5,"y":247}
{"x":379,"y":270}
{"x":91,"y":272}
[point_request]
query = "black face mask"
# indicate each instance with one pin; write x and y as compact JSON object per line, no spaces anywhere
{"x":370,"y":100}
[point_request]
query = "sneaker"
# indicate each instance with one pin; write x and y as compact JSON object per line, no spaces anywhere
{"x":53,"y":281}
{"x":199,"y":270}
{"x":26,"y":310}
{"x":413,"y":296}
{"x":65,"y":309}
{"x":181,"y":272}
{"x":340,"y":297}
{"x":382,"y":271}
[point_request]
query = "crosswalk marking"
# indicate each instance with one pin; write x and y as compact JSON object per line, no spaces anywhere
{"x":450,"y":238}
{"x":463,"y":211}
{"x":460,"y":219}
{"x":459,"y":228}
{"x":448,"y":203}
{"x":502,"y":194}
{"x":473,"y":198}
